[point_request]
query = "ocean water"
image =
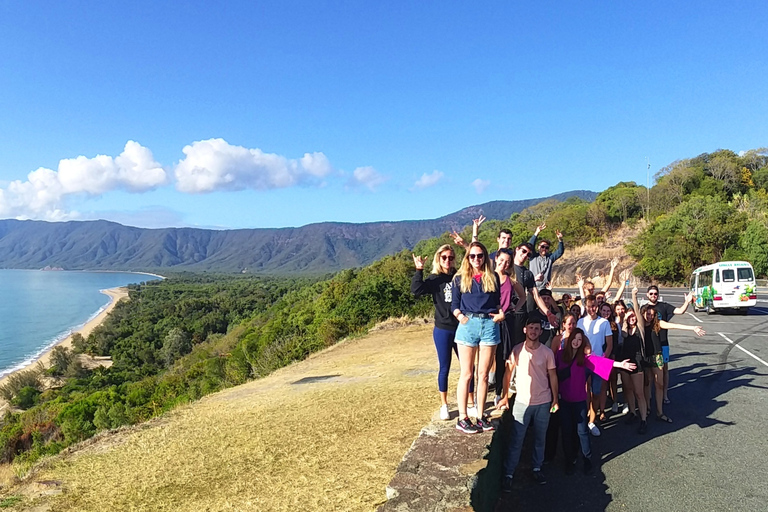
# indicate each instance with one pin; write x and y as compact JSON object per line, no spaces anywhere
{"x":39,"y":309}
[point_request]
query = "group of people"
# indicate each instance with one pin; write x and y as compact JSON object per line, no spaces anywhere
{"x":543,"y":356}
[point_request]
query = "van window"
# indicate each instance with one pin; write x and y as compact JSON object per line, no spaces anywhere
{"x":745,"y":274}
{"x":728,"y":276}
{"x":705,"y":279}
{"x":717,"y":276}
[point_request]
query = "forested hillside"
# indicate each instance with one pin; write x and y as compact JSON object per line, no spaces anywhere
{"x":179,"y":339}
{"x":315,"y":248}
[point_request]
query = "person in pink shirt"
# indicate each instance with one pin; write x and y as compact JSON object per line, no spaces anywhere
{"x":536,"y":398}
{"x":572,"y":363}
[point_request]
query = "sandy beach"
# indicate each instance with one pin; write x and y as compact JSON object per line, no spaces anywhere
{"x":115,"y":294}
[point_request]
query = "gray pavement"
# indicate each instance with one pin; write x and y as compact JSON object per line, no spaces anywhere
{"x":712,"y":457}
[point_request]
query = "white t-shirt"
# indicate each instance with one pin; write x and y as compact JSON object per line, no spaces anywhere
{"x":597,"y":330}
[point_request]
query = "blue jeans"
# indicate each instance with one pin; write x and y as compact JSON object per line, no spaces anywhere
{"x":573,"y":420}
{"x":523,"y":416}
{"x":445,"y":345}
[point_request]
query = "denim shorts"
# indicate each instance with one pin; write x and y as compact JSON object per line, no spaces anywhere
{"x":478,"y":331}
{"x":665,"y":353}
{"x":597,"y":383}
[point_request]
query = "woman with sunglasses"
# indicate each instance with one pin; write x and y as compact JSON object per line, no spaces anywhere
{"x":439,"y":285}
{"x":477,"y":306}
{"x":650,"y":329}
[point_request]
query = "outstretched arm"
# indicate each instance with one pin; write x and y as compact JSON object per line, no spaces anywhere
{"x":551,"y":318}
{"x":680,"y":327}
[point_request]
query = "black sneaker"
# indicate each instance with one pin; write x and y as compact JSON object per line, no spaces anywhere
{"x":631,"y":418}
{"x":643,"y":428}
{"x":539,"y":478}
{"x":506,"y":485}
{"x":587,"y":466}
{"x":483,"y":424}
{"x":570,"y":468}
{"x":467,"y":427}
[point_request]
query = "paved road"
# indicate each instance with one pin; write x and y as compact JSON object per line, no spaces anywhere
{"x":714,"y":456}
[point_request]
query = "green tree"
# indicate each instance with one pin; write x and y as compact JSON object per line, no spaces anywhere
{"x":176,"y":344}
{"x":754,"y":241}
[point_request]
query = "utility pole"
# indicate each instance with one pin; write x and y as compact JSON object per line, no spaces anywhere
{"x":648,"y":189}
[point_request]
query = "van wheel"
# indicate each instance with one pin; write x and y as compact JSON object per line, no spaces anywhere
{"x":744,"y":311}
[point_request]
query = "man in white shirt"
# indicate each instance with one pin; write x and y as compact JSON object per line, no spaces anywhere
{"x":598,"y":331}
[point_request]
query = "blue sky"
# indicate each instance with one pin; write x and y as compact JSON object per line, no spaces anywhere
{"x":287,"y":113}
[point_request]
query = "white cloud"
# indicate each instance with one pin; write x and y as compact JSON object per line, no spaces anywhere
{"x":366,"y":177}
{"x":214,"y":164}
{"x":428,"y":180}
{"x":481,"y":185}
{"x":44,"y":194}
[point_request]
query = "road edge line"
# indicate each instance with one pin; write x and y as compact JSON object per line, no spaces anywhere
{"x":726,"y":338}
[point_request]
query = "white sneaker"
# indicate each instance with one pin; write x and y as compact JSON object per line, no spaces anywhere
{"x":593,"y":429}
{"x":444,"y":414}
{"x":625,"y":410}
{"x":472,"y":411}
{"x":615,"y":407}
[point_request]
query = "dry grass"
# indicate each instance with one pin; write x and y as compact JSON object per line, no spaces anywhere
{"x":272,"y":444}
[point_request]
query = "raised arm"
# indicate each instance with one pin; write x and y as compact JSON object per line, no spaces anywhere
{"x":560,"y":247}
{"x":624,"y":276}
{"x":688,"y":298}
{"x":418,"y":286}
{"x":580,"y":285}
{"x":680,"y":327}
{"x":614,"y":263}
{"x":551,"y":318}
{"x":476,"y":227}
{"x":640,"y":319}
{"x":539,"y":229}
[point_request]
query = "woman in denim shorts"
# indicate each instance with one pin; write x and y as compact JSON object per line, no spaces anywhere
{"x":477,"y":306}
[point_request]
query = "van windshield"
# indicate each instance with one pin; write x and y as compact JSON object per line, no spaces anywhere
{"x":745,"y":274}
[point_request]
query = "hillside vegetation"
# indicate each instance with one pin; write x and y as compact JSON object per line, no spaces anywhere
{"x":177,"y":340}
{"x":311,"y":249}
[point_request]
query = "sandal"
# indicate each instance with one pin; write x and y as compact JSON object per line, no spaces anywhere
{"x":664,"y":417}
{"x":667,"y":401}
{"x":602,"y":416}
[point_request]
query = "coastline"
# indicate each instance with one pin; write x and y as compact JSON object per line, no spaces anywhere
{"x":114,"y":294}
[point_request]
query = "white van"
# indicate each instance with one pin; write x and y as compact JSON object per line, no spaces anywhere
{"x":724,"y":285}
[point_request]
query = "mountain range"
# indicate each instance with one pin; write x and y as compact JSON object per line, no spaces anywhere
{"x":314,"y":248}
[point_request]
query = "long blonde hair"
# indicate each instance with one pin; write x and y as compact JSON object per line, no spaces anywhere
{"x":436,"y":267}
{"x":488,"y":281}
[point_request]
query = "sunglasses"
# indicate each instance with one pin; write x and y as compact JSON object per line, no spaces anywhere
{"x":543,"y":247}
{"x":447,"y":258}
{"x":525,"y":252}
{"x":479,"y":256}
{"x":653,"y":294}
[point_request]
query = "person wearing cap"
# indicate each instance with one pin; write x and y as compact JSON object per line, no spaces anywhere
{"x":541,"y":263}
{"x":536,"y":399}
{"x":665,"y":312}
{"x":549,"y":330}
{"x":534,"y":300}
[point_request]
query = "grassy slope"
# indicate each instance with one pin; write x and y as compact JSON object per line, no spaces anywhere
{"x":265,"y":445}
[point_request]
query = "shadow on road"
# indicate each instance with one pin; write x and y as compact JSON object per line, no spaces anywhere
{"x":696,"y":393}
